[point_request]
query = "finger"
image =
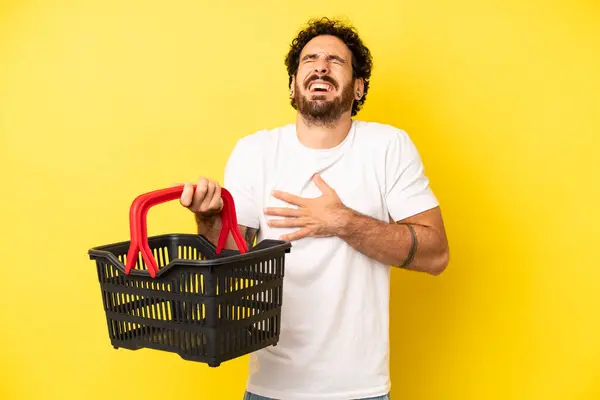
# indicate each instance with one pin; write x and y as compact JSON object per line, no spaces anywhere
{"x":321,"y":184}
{"x":289,"y":198}
{"x":187,"y":195}
{"x":199,"y":194}
{"x":284,"y":212}
{"x":299,"y":234}
{"x":208,"y":197}
{"x":216,"y":202}
{"x":287,"y":223}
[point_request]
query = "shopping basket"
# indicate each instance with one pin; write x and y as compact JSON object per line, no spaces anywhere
{"x":179,"y":293}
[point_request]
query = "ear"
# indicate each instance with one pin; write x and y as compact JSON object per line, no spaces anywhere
{"x":359,"y":88}
{"x":292,"y":86}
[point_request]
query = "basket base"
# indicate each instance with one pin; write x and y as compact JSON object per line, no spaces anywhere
{"x":153,"y":342}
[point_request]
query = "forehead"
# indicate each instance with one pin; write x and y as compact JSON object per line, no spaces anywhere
{"x":328,"y":44}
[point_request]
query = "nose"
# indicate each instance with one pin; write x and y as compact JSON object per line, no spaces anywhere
{"x":321,"y":69}
{"x":322,"y":64}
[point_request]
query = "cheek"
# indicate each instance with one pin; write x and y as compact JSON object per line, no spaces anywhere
{"x":301,"y":76}
{"x":347,"y":76}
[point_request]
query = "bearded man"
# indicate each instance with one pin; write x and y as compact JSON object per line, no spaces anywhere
{"x":353,"y":199}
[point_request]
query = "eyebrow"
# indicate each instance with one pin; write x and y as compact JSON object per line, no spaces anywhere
{"x":330,"y":57}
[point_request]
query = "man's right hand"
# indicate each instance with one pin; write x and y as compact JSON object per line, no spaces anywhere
{"x":205,"y":201}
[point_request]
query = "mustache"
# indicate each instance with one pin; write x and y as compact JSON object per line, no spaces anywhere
{"x":324,"y":78}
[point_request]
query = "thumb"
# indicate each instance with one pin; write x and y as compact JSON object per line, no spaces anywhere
{"x":322,"y":185}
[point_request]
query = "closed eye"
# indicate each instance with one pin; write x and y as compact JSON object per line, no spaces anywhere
{"x":332,"y":58}
{"x":337,"y":59}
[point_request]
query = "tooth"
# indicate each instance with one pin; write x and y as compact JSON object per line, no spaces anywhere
{"x":325,"y":86}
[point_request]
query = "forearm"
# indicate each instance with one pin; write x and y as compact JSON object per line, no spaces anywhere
{"x":210,"y":228}
{"x":391,"y":244}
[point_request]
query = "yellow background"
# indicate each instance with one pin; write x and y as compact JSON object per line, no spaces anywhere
{"x":103,"y":100}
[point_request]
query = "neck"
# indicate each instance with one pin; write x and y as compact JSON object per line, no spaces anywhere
{"x":322,"y":136}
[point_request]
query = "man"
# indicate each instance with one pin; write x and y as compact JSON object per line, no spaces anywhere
{"x":353,"y":199}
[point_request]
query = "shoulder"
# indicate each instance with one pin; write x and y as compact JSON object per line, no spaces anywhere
{"x":264,"y":139}
{"x":382,"y":136}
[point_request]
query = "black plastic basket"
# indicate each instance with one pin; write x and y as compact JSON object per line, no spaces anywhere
{"x":186,"y":296}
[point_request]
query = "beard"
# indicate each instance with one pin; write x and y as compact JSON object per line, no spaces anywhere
{"x":317,"y":111}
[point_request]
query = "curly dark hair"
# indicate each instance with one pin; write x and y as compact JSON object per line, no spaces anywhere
{"x":362,"y":62}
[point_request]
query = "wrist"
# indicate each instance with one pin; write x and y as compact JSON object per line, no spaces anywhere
{"x":208,"y":216}
{"x":205,"y":218}
{"x":344,"y":218}
{"x":205,"y":223}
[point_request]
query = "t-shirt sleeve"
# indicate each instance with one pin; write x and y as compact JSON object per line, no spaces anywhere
{"x":407,"y":187}
{"x":239,"y":179}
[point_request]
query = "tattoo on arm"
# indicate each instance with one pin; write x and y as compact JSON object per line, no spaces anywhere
{"x":250,"y":236}
{"x":413,"y":247}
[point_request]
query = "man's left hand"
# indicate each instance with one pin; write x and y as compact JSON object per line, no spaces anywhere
{"x":319,"y":217}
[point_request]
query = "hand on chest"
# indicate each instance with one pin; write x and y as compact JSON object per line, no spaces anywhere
{"x":356,"y":189}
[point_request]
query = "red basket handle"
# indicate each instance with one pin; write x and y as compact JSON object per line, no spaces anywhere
{"x":228,"y":215}
{"x":139,"y":232}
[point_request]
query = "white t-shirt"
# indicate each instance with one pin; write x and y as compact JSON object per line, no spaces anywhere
{"x":334,"y":342}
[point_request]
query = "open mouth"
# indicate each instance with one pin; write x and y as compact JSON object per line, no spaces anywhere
{"x":320,"y":87}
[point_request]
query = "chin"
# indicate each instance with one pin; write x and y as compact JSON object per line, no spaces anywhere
{"x":320,"y":97}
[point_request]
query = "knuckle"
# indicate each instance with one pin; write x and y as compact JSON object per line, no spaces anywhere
{"x":202,"y":183}
{"x":201,"y":190}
